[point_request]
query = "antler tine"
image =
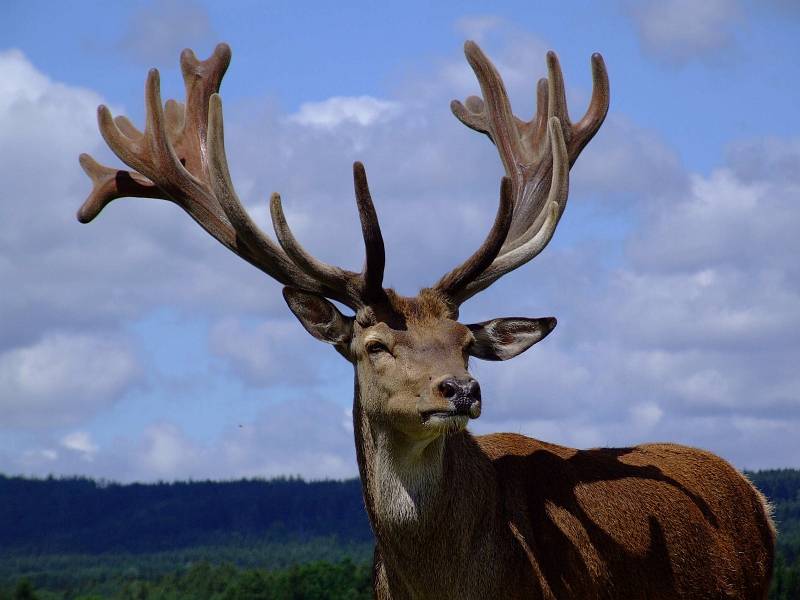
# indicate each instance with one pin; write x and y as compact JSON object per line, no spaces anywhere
{"x":375,"y":253}
{"x":109,"y":184}
{"x":127,"y":128}
{"x":272,"y":260}
{"x":360,"y":288}
{"x":180,"y":156}
{"x":535,"y":132}
{"x":137,"y":150}
{"x":556,"y":92}
{"x":598,"y":108}
{"x":470,"y":114}
{"x":533,"y":153}
{"x":456,"y":280}
{"x":541,"y":230}
{"x":492,"y":114}
{"x":332,"y":276}
{"x":201,"y":79}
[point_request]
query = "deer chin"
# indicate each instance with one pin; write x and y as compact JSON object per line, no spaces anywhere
{"x":444,"y":421}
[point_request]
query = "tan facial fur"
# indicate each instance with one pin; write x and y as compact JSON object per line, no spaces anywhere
{"x":401,"y":371}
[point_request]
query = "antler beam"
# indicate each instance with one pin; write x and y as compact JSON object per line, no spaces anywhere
{"x":180,"y":157}
{"x":536,"y":155}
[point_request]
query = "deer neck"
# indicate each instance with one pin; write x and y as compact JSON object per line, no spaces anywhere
{"x":410,"y":487}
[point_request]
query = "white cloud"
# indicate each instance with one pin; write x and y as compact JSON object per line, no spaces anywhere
{"x":519,"y":58}
{"x":717,"y":221}
{"x":165,"y":452}
{"x":137,"y":255}
{"x":80,"y":442}
{"x":646,"y":414}
{"x":21,"y":81}
{"x":627,"y":164}
{"x":62,"y":379}
{"x":477,"y":27}
{"x":679,"y":31}
{"x":37,"y":113}
{"x":310,"y":437}
{"x":273,"y":352}
{"x":37,"y":458}
{"x":337,"y":111}
{"x":691,"y":337}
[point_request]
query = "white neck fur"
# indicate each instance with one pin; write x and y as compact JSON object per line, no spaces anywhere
{"x":407,"y":477}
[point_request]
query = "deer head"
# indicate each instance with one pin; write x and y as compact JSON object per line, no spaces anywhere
{"x":410,"y":353}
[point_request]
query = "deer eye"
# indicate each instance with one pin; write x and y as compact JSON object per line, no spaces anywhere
{"x":375,"y":347}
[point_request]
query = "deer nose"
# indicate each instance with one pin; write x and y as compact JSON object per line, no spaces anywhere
{"x":464,"y":393}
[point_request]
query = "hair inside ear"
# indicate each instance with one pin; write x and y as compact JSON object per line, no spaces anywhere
{"x":320,"y":318}
{"x":501,"y":339}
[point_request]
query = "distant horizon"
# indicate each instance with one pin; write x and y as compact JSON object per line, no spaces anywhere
{"x":298,"y":478}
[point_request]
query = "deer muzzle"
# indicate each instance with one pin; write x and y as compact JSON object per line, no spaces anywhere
{"x":464,"y":393}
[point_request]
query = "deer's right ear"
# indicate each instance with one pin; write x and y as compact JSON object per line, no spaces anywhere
{"x":320,"y":318}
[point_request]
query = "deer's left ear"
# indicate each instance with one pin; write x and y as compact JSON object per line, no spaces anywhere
{"x":320,"y":318}
{"x":501,"y":339}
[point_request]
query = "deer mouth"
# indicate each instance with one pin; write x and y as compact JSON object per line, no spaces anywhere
{"x":449,"y":418}
{"x":427,"y":415}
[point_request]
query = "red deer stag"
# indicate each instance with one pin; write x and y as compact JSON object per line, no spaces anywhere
{"x":455,"y":515}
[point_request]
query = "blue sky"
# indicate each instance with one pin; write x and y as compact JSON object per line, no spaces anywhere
{"x":136,"y":348}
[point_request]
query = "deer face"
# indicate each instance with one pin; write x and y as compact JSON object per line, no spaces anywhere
{"x":415,"y":379}
{"x":412,"y":362}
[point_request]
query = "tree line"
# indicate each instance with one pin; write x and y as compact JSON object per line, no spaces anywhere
{"x":80,"y":515}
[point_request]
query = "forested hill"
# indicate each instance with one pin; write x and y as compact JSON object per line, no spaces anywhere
{"x":78,"y":515}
